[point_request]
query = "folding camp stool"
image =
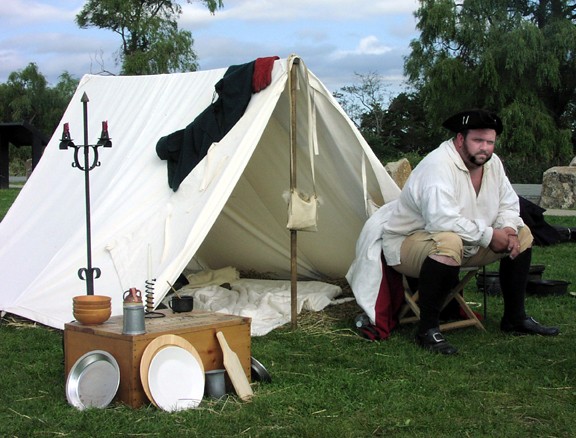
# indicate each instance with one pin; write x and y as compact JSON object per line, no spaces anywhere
{"x":411,"y":304}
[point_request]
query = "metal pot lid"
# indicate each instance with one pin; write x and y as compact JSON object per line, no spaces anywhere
{"x":93,"y":380}
{"x":259,"y":372}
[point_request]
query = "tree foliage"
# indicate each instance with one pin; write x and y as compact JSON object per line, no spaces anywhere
{"x":394,"y":127}
{"x":152,"y":43}
{"x":516,"y":57}
{"x":27,"y":97}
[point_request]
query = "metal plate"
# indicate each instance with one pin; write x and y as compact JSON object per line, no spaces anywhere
{"x":258,"y":372}
{"x":93,"y":380}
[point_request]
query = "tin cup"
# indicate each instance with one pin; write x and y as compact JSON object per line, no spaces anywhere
{"x":215,"y":383}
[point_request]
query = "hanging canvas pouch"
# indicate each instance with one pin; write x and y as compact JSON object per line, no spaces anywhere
{"x":302,"y":207}
{"x":302,"y":212}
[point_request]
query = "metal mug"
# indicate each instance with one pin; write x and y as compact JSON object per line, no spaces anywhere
{"x":133,"y":322}
{"x":215,"y":383}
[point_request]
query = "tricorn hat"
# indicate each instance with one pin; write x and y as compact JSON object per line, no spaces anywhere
{"x":474,"y":119}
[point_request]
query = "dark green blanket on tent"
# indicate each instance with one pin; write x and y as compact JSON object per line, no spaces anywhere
{"x":184,"y":148}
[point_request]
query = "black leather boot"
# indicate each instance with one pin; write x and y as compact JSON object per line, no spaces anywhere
{"x":513,"y":276}
{"x":513,"y":281}
{"x":435,"y":282}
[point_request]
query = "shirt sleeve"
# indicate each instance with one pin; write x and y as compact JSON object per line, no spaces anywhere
{"x":509,"y":207}
{"x":441,"y":212}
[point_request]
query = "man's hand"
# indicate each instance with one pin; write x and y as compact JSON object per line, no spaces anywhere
{"x":505,"y":240}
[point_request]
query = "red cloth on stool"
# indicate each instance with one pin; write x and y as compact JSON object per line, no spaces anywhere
{"x":388,"y":304}
{"x":262,"y":73}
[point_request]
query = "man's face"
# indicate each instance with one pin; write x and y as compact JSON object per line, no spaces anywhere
{"x":477,"y":147}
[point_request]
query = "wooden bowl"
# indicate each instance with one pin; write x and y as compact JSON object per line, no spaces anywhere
{"x":91,"y":306}
{"x":91,"y":317}
{"x":91,"y":299}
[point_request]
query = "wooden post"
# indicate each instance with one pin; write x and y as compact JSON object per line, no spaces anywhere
{"x":293,"y":233}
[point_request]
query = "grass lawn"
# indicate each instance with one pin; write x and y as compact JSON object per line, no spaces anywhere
{"x":7,"y":197}
{"x":328,"y":382}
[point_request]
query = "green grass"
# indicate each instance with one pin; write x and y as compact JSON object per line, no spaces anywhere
{"x":7,"y":197}
{"x":328,"y":382}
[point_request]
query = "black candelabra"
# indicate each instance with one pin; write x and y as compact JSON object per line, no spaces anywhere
{"x":90,"y":162}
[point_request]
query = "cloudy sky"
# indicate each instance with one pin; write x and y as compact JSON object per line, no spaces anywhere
{"x":335,"y":38}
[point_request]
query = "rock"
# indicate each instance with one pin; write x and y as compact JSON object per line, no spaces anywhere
{"x":559,"y":188}
{"x":399,"y":171}
{"x":573,"y":162}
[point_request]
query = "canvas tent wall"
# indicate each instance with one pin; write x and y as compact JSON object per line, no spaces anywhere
{"x":228,"y":212}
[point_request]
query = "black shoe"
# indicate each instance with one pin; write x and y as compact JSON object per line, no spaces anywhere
{"x":433,"y":341}
{"x":528,"y":327}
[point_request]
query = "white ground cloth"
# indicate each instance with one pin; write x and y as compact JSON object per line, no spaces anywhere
{"x":267,"y":302}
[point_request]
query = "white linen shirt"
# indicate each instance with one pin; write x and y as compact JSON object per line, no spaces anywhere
{"x":439,"y":196}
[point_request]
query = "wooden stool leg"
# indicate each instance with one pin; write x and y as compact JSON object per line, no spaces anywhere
{"x":412,"y":305}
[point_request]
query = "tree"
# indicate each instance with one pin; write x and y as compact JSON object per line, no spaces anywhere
{"x":151,"y":40}
{"x":27,"y":97}
{"x":516,"y":57}
{"x":394,"y":127}
{"x":369,"y":96}
{"x":365,"y":104}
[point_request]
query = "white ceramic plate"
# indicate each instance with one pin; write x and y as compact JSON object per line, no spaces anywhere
{"x":93,"y":380}
{"x":176,"y":379}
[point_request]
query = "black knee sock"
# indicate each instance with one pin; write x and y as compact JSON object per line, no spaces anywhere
{"x":435,"y":281}
{"x":513,"y":277}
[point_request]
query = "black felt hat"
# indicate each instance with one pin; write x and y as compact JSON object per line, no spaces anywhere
{"x":474,"y":119}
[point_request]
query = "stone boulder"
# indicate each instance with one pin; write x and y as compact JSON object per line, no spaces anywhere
{"x":559,"y":188}
{"x":399,"y":171}
{"x":573,"y":162}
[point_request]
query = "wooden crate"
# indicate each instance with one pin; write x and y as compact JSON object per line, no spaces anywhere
{"x":197,"y":327}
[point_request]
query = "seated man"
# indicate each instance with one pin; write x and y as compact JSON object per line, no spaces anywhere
{"x":458,"y":208}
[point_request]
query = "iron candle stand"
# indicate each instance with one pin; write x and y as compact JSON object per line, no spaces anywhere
{"x":89,"y":273}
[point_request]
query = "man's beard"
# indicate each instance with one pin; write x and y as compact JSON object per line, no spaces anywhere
{"x":473,"y":158}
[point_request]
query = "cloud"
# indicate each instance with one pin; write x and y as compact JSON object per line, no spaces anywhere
{"x":196,"y":14}
{"x":336,"y":38}
{"x":17,"y":12}
{"x":369,"y":45}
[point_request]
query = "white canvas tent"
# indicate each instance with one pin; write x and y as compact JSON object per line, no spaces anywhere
{"x":229,"y":211}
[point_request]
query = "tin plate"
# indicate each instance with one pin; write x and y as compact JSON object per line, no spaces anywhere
{"x":93,"y":380}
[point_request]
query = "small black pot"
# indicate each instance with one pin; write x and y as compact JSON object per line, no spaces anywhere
{"x":492,"y":279}
{"x":181,"y":304}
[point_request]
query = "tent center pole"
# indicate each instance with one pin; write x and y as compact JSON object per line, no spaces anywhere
{"x":293,"y":233}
